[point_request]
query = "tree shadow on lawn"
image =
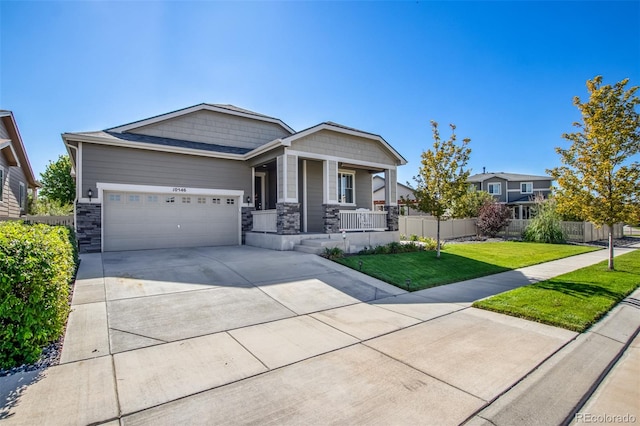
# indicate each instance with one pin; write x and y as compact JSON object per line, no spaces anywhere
{"x":421,"y":270}
{"x":580,"y":289}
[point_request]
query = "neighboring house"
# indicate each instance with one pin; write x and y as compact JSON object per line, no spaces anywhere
{"x":16,"y":175}
{"x":517,"y":191}
{"x":403,"y":192}
{"x":217,"y":175}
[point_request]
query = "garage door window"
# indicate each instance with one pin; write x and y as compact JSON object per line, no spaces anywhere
{"x":115,"y":198}
{"x":170,"y":200}
{"x":134,"y":199}
{"x":152,"y":199}
{"x":202,"y":200}
{"x":186,"y":200}
{"x":231,"y":201}
{"x":215,"y":201}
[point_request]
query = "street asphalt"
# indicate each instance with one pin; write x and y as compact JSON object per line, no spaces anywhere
{"x":240,"y":335}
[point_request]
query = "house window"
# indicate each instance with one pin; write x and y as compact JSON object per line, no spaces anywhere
{"x":526,"y":188}
{"x":1,"y":182}
{"x":22,"y":201}
{"x":495,"y":188}
{"x":345,"y":187}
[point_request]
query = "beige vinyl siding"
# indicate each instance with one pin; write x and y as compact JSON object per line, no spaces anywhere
{"x":364,"y":194}
{"x":315,"y":212}
{"x":216,"y":128}
{"x":347,"y":147}
{"x":9,"y":206}
{"x":142,"y":167}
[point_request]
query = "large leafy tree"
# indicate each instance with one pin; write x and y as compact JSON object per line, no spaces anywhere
{"x":470,"y":203}
{"x":57,"y":183}
{"x":600,"y":176}
{"x":441,"y":180}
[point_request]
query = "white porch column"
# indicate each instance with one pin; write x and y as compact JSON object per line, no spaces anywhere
{"x":287,"y":178}
{"x":391,"y":187}
{"x":330,"y":182}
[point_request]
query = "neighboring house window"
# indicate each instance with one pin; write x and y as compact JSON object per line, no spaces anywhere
{"x":472,"y":187}
{"x":345,"y":187}
{"x":22,"y":201}
{"x":1,"y":182}
{"x":495,"y":188}
{"x":526,"y":188}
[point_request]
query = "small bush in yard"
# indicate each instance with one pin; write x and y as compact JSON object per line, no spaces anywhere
{"x":492,"y":218}
{"x":37,"y":264}
{"x":333,"y":253}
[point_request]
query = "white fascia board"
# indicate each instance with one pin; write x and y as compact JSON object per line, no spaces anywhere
{"x":195,"y":108}
{"x":265,"y":148}
{"x":314,"y":156}
{"x":325,"y":126}
{"x":151,"y":147}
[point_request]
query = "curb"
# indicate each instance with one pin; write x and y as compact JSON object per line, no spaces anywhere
{"x":559,"y":387}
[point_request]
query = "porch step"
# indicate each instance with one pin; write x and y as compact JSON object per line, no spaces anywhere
{"x":317,"y":245}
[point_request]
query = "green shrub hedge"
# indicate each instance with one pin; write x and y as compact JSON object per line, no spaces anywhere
{"x":37,"y":264}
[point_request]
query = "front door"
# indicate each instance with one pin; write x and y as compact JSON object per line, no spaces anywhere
{"x":259,"y":196}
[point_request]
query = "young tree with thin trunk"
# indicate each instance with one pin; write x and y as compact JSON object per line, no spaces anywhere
{"x":600,"y":176}
{"x":441,"y":180}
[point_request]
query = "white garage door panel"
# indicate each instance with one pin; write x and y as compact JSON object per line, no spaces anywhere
{"x":145,"y":221}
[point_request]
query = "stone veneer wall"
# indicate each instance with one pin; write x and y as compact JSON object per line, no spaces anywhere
{"x":247,"y":221}
{"x":392,"y":217}
{"x":288,"y":218}
{"x":89,"y":227}
{"x":331,"y":216}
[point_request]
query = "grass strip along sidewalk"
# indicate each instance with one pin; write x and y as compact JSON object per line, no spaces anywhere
{"x":458,"y":262}
{"x":574,"y":301}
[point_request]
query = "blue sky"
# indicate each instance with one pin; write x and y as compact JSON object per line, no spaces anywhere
{"x":504,"y":72}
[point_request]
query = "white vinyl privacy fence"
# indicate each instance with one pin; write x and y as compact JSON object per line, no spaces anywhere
{"x":426,"y":226}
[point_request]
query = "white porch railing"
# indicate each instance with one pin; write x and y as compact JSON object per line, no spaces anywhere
{"x":363,"y":220}
{"x":265,"y":220}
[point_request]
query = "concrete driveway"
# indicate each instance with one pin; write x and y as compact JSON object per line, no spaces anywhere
{"x":240,"y":335}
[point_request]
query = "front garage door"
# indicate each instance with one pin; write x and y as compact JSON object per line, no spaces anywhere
{"x":135,"y":221}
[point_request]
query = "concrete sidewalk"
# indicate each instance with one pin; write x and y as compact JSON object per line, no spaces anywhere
{"x":244,"y":335}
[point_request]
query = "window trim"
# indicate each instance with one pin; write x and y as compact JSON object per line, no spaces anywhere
{"x":351,"y":173}
{"x":1,"y":184}
{"x":490,"y":184}
{"x":526,"y":183}
{"x":22,"y":194}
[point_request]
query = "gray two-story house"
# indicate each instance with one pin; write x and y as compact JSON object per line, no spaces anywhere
{"x":212,"y":175}
{"x":16,"y":174}
{"x":515,"y":190}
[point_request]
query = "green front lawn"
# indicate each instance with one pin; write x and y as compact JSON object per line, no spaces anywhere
{"x":458,"y":262}
{"x":574,"y":301}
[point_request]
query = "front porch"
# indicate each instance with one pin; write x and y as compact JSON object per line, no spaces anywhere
{"x":352,"y":243}
{"x":348,"y":220}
